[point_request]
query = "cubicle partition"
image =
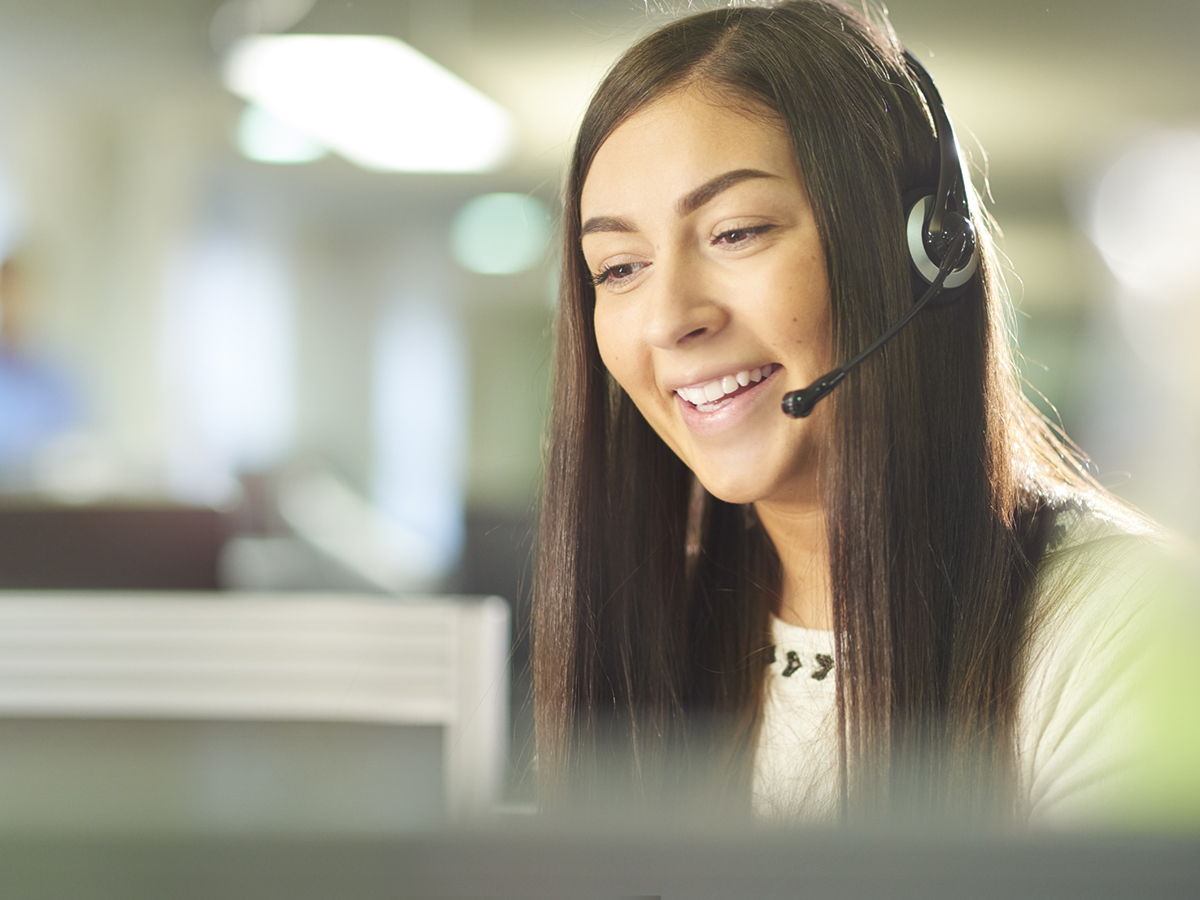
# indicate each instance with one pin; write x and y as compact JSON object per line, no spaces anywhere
{"x":264,"y":714}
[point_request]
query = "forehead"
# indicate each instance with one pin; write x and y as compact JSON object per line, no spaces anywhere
{"x":679,"y":141}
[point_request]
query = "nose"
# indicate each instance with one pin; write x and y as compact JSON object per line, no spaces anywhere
{"x":681,"y":307}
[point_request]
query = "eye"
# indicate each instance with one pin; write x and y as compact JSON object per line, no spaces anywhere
{"x":618,"y":274}
{"x":737,"y":236}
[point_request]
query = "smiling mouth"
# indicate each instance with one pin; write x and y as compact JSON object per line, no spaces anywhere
{"x":720,"y":391}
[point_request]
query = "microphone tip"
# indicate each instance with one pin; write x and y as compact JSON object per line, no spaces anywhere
{"x":796,"y":405}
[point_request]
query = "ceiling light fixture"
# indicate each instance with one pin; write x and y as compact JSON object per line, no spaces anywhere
{"x":375,"y":100}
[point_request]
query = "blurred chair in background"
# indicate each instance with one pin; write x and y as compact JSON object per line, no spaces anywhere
{"x":113,"y":545}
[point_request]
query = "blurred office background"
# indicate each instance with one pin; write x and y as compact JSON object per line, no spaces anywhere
{"x":285,"y":306}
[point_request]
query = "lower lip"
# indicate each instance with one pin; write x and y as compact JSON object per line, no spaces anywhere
{"x":730,"y":413}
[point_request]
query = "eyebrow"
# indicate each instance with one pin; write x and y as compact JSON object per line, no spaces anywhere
{"x":606,"y":223}
{"x":687,"y":205}
{"x":707,"y":191}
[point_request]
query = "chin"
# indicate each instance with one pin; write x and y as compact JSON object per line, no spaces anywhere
{"x":732,"y":491}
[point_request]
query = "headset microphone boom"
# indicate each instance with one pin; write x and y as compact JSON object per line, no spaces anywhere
{"x":941,"y":242}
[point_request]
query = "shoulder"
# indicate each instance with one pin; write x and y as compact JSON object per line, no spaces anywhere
{"x":1107,"y":590}
{"x":1098,"y":580}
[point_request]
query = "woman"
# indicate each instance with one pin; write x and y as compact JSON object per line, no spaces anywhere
{"x":733,"y":229}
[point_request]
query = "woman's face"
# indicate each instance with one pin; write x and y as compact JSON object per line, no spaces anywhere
{"x":712,"y":299}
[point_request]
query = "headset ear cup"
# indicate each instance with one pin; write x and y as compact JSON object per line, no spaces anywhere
{"x":924,"y":265}
{"x":917,"y":254}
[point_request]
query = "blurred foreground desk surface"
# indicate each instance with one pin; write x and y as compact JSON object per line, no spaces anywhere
{"x":180,"y":746}
{"x":519,"y":861}
{"x":269,"y":714}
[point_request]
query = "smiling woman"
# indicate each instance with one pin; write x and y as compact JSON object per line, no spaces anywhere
{"x":709,"y":266}
{"x":897,"y":603}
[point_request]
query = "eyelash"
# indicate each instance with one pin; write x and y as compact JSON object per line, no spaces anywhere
{"x":602,"y":277}
{"x":751,"y":231}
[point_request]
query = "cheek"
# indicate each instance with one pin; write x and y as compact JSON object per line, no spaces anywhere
{"x":605,"y":340}
{"x":805,"y":321}
{"x":617,"y":350}
{"x":629,"y":362}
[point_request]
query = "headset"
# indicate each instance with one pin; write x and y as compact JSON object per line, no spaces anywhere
{"x":941,"y":242}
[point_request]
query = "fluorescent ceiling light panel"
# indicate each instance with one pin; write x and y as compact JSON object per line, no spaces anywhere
{"x":375,"y":100}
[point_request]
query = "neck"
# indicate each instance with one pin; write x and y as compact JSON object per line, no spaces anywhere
{"x":798,"y":533}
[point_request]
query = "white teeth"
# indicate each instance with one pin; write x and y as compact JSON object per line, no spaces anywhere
{"x":727,"y":384}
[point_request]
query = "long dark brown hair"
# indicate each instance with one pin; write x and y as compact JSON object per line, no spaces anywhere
{"x":653,"y":598}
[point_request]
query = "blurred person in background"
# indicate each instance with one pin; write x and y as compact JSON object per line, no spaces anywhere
{"x":913,"y":601}
{"x":37,"y":399}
